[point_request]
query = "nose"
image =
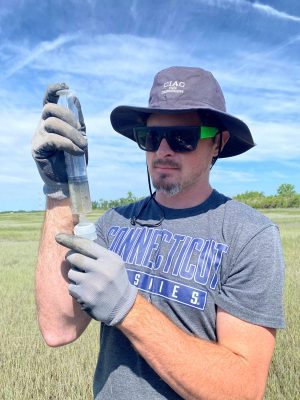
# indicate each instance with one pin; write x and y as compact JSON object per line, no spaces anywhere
{"x":164,"y":149}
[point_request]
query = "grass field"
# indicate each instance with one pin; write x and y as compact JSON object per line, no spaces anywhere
{"x":31,"y":370}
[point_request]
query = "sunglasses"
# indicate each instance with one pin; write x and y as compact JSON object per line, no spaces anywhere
{"x":179,"y":138}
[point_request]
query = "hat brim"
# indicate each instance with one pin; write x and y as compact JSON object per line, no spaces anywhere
{"x":125,"y":118}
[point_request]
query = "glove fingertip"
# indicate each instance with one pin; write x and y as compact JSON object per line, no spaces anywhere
{"x":50,"y":95}
{"x":73,"y":290}
{"x":63,"y":85}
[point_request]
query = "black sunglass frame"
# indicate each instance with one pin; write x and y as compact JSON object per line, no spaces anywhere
{"x":180,"y":138}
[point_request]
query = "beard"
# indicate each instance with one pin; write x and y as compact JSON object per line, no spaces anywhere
{"x":170,"y":189}
{"x":161,"y":183}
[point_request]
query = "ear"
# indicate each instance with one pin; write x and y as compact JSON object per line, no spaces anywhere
{"x":225,"y":136}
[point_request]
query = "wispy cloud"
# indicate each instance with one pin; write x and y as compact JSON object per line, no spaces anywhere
{"x":273,"y":12}
{"x":244,"y":5}
{"x":12,"y":179}
{"x":274,"y":141}
{"x":113,"y":62}
{"x":22,"y":60}
{"x":121,"y":51}
{"x":267,"y":56}
{"x":221,"y":174}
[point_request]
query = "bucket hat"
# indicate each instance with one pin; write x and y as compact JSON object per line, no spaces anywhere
{"x":185,"y":89}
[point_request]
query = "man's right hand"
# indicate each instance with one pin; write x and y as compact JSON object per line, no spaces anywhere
{"x":58,"y":131}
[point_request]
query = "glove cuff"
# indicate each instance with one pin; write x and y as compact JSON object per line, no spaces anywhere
{"x":57,"y":191}
{"x":124,"y":305}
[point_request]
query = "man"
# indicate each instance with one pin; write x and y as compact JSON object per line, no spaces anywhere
{"x":187,"y":283}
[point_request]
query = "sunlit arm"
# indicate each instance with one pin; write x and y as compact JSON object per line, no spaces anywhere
{"x":234,"y":368}
{"x":60,"y":318}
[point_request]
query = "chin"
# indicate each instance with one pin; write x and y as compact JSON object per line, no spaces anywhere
{"x":169,"y":190}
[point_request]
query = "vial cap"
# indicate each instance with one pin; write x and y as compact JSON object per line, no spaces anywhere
{"x":86,"y":230}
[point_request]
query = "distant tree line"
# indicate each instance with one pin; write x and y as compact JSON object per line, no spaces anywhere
{"x":106,"y":204}
{"x":286,"y":197}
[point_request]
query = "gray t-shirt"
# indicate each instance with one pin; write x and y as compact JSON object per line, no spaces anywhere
{"x":221,"y":253}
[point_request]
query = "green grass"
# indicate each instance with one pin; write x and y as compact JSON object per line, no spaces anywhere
{"x":28,"y":368}
{"x":31,"y":370}
{"x":284,"y":381}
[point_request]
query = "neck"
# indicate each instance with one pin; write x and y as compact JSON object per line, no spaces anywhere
{"x":187,"y":198}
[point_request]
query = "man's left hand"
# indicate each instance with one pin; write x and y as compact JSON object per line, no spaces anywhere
{"x":98,"y":280}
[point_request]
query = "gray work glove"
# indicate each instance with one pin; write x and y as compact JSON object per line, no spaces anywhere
{"x":58,"y":131}
{"x":99,"y":281}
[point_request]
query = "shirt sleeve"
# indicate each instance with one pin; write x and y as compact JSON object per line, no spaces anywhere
{"x":252,"y":290}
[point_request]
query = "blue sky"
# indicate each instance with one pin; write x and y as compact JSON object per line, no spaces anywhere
{"x":108,"y":52}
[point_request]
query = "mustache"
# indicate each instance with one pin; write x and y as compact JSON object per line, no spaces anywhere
{"x":165,"y":163}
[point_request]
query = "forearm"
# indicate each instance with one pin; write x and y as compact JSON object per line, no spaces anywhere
{"x":194,"y":368}
{"x":60,"y":318}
